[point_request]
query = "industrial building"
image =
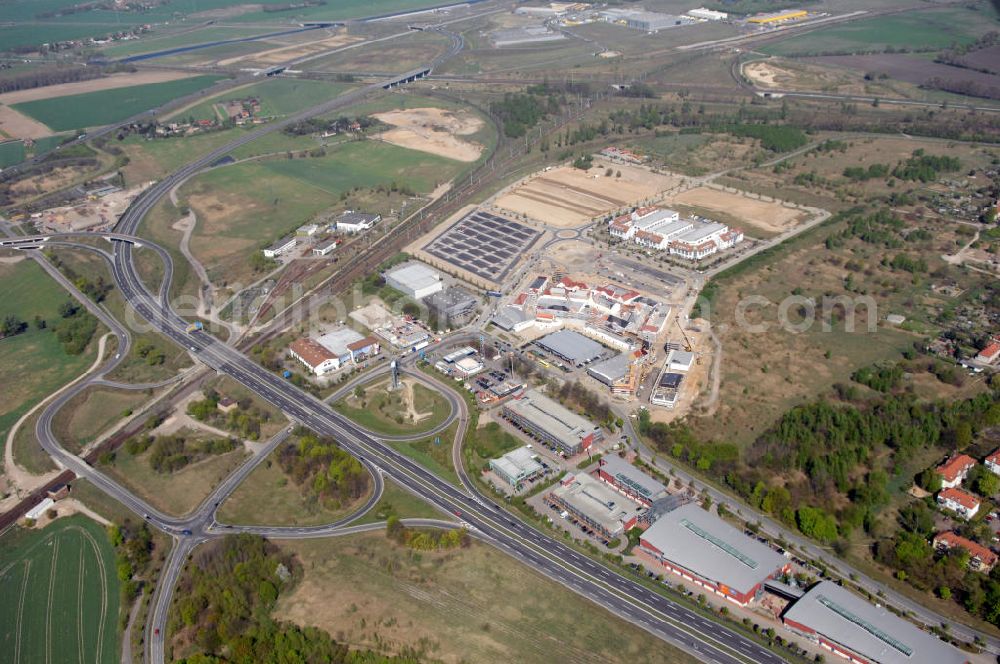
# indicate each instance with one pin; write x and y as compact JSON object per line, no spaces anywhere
{"x":667,"y":390}
{"x":680,"y":360}
{"x":848,"y":626}
{"x":282,"y":246}
{"x":664,"y":230}
{"x":355,"y":222}
{"x":325,"y":247}
{"x":708,"y":14}
{"x":552,"y":423}
{"x":348,"y":345}
{"x":333,"y":350}
{"x":516,"y":467}
{"x":629,"y":480}
{"x":415,"y":280}
{"x":654,"y":21}
{"x":611,"y":371}
{"x":531,"y":34}
{"x":594,"y":505}
{"x":702,"y":548}
{"x":454,"y":306}
{"x":318,"y":359}
{"x":571,"y":347}
{"x":778,"y":17}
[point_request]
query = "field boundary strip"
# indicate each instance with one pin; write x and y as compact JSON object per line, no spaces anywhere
{"x":53,"y":566}
{"x":103,"y":573}
{"x":20,"y":608}
{"x":79,"y":605}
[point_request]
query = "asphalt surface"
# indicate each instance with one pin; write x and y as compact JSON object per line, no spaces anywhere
{"x":660,"y":616}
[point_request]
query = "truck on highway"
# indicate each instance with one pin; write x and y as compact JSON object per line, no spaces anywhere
{"x":194,"y":327}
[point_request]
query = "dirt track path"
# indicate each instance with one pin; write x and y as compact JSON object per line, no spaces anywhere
{"x":23,"y":480}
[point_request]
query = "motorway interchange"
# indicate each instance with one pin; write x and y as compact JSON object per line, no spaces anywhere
{"x":464,"y":506}
{"x":660,"y":616}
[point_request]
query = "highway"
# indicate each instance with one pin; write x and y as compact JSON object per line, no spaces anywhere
{"x":660,"y":616}
{"x":642,"y":606}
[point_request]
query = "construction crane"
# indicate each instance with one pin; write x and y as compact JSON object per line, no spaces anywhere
{"x":688,"y":346}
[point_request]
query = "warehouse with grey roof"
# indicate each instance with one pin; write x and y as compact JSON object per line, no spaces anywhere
{"x":552,"y":423}
{"x":700,"y":547}
{"x":571,"y":346}
{"x":851,"y":627}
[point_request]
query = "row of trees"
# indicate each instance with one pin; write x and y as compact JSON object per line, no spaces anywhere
{"x":133,"y":543}
{"x":170,"y":453}
{"x":425,"y":540}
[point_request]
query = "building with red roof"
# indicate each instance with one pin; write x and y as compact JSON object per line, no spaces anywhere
{"x":954,"y":471}
{"x":961,"y":502}
{"x":992,"y":462}
{"x":981,"y":559}
{"x":989,"y":354}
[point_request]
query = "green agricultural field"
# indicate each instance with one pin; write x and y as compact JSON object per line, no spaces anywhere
{"x":340,"y":10}
{"x":938,"y":28}
{"x":278,"y":96}
{"x":61,"y":593}
{"x":11,"y":152}
{"x":94,"y":109}
{"x":245,"y":206}
{"x":167,"y":40}
{"x":33,"y":363}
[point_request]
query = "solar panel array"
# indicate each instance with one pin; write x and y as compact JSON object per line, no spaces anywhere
{"x":484,"y":244}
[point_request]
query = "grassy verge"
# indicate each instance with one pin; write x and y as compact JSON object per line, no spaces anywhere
{"x":175,"y":493}
{"x":462,"y":605}
{"x":268,"y":497}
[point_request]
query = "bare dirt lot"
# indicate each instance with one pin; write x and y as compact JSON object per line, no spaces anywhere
{"x":751,"y":213}
{"x":292,"y":52}
{"x":910,"y":68}
{"x":18,"y":125}
{"x":566,"y":197}
{"x":95,"y":85}
{"x":769,"y":75}
{"x":433,"y":130}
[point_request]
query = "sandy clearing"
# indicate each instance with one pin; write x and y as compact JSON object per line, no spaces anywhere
{"x":18,"y":125}
{"x":566,"y":196}
{"x":289,"y":52}
{"x":79,"y":87}
{"x":769,"y":216}
{"x":433,"y":130}
{"x":766,"y":75}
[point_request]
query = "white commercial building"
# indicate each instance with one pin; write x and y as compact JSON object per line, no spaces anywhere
{"x":415,"y":280}
{"x":355,"y":222}
{"x":708,"y":14}
{"x":324,"y":248}
{"x":280,"y":247}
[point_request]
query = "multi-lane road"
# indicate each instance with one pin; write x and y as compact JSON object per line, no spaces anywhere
{"x":683,"y":627}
